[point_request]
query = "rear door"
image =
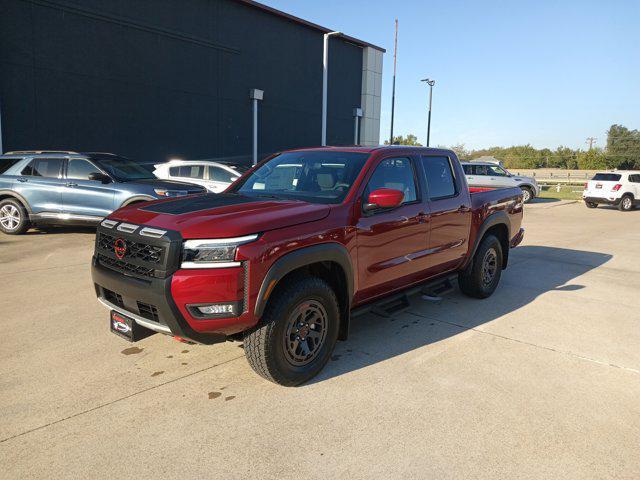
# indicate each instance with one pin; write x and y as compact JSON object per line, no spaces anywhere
{"x":41,"y":184}
{"x":602,"y":185}
{"x":392,"y":243}
{"x":634,"y":185}
{"x":189,"y":174}
{"x":83,"y":197}
{"x":450,"y":208}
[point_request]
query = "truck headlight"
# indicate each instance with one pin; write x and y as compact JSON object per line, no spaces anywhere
{"x":161,"y":192}
{"x":214,"y":253}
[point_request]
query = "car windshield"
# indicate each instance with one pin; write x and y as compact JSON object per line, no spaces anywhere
{"x":123,"y":169}
{"x":316,"y":177}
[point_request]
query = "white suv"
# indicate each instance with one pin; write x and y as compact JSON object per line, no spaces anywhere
{"x":215,"y":176}
{"x":620,"y":188}
{"x":492,"y":175}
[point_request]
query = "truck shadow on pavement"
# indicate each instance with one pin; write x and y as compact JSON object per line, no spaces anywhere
{"x":532,"y":271}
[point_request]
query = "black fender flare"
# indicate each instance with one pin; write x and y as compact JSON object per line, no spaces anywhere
{"x":497,"y":218}
{"x":324,"y":252}
{"x":137,"y":198}
{"x":17,"y":196}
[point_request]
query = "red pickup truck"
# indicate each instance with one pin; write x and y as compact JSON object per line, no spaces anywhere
{"x":286,"y":256}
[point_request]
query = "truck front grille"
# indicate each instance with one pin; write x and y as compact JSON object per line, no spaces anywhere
{"x":134,"y":250}
{"x":125,"y":267}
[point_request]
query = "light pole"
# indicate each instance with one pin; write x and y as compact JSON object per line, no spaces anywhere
{"x":255,"y":95}
{"x":431,"y":83}
{"x":325,"y":74}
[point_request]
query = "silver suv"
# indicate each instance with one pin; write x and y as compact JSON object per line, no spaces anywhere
{"x":493,"y":175}
{"x":38,"y":187}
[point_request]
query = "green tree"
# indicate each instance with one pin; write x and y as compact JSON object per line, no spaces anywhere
{"x":594,"y":159}
{"x":623,"y":147}
{"x":410,"y":139}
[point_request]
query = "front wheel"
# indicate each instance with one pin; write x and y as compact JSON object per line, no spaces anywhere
{"x":481,"y":278}
{"x":527,"y":194}
{"x":14,"y":219}
{"x":297,"y":332}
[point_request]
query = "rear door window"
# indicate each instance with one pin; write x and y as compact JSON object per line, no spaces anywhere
{"x":44,"y":167}
{"x":187,"y":171}
{"x":440,"y":179}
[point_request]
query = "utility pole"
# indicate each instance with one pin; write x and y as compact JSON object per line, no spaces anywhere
{"x":431,"y":83}
{"x":393,"y":90}
{"x":591,"y":141}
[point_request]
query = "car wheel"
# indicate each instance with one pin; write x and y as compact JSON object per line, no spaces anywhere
{"x":591,"y":204}
{"x":297,"y":333}
{"x":527,"y":194}
{"x":14,"y":219}
{"x":481,"y":278}
{"x":626,"y":203}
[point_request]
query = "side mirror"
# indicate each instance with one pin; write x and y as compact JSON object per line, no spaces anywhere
{"x":383,"y":198}
{"x":99,"y":177}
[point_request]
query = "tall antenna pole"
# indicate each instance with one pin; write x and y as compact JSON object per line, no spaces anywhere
{"x":590,"y":141}
{"x":393,"y":89}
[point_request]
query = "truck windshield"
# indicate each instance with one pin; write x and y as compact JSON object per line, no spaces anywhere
{"x":123,"y":169}
{"x":315,"y":177}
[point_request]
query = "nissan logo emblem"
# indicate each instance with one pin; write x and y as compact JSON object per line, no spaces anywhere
{"x":120,"y":248}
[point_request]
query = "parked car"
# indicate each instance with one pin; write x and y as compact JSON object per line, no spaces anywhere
{"x":287,"y":255}
{"x":493,"y":175}
{"x":619,"y":188}
{"x":52,"y":187}
{"x":214,"y":176}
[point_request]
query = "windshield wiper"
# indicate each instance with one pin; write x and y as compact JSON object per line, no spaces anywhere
{"x":268,"y":195}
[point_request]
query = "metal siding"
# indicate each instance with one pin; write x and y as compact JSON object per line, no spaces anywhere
{"x":152,"y":79}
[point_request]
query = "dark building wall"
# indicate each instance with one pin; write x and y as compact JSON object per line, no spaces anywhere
{"x":156,"y":78}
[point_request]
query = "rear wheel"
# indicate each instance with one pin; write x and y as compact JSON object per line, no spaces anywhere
{"x":481,"y":278}
{"x":296,"y":334}
{"x":591,"y":204}
{"x":626,"y":203}
{"x":14,"y":219}
{"x":527,"y":194}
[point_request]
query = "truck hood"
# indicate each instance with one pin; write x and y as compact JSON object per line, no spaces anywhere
{"x":222,"y":215}
{"x":167,"y":185}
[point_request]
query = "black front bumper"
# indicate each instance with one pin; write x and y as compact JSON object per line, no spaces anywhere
{"x":601,"y":201}
{"x":149,"y":299}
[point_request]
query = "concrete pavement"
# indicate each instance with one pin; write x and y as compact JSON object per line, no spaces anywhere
{"x":542,"y":380}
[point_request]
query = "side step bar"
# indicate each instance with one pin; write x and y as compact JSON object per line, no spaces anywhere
{"x":398,"y":302}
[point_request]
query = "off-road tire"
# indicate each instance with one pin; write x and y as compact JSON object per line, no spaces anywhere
{"x":626,"y":203}
{"x":10,"y":227}
{"x":591,"y":204}
{"x":471,"y":280}
{"x":264,"y":345}
{"x":527,"y":194}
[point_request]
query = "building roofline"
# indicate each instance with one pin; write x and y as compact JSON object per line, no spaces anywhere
{"x":306,"y":23}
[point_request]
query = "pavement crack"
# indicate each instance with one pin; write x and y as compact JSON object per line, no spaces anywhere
{"x":535,"y":345}
{"x":103,"y":405}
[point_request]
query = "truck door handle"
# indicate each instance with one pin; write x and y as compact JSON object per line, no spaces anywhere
{"x":71,"y":184}
{"x":423,"y":217}
{"x":21,"y":179}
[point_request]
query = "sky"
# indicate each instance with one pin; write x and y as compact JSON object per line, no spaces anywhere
{"x":545,"y":73}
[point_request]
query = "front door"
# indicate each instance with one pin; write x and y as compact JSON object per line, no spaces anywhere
{"x":450,"y":213}
{"x":392,"y":243}
{"x":41,"y":183}
{"x":82,"y":197}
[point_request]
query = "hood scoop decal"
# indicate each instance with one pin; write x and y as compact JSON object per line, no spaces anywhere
{"x":198,"y":203}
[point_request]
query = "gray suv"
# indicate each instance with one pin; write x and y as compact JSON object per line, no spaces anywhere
{"x":51,"y":187}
